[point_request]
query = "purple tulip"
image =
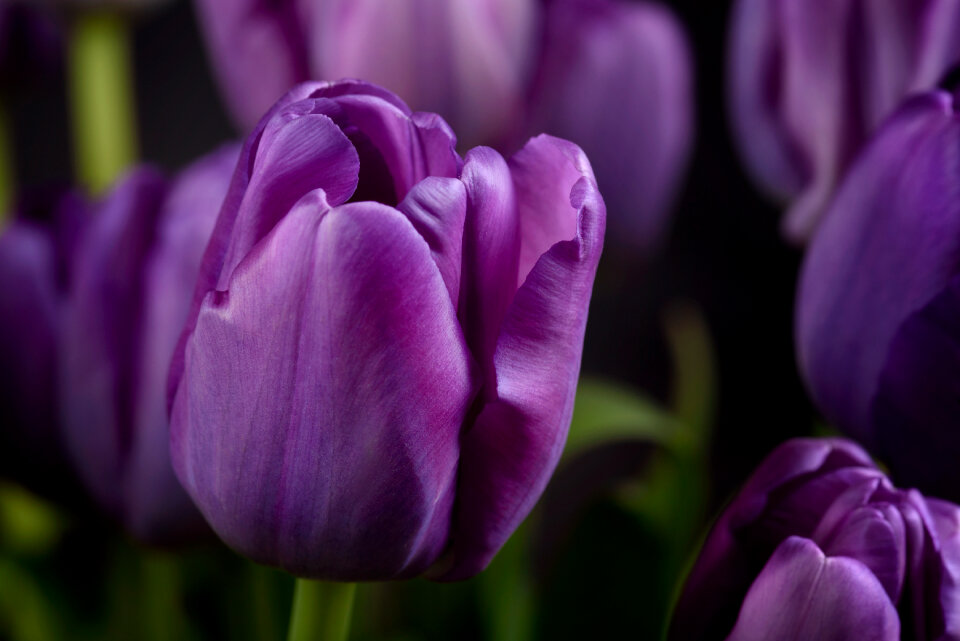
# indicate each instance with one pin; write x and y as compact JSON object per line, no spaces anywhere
{"x":378,"y":373}
{"x":35,"y":248}
{"x":133,"y":277}
{"x":819,"y":545}
{"x":810,"y":80}
{"x":877,"y":307}
{"x":611,"y":75}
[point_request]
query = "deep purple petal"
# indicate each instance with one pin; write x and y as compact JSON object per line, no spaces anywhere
{"x":616,"y":80}
{"x":802,"y":594}
{"x":734,"y":551}
{"x":945,"y":519}
{"x":915,"y":412}
{"x":509,"y":453}
{"x":318,"y":422}
{"x":102,"y":325}
{"x":888,"y":245}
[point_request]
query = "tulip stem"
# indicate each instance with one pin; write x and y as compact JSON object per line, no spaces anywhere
{"x":321,"y":611}
{"x":101,"y":97}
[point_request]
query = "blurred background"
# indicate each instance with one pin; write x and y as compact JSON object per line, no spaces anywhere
{"x":711,"y":313}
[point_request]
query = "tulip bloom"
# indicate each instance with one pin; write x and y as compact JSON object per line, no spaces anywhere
{"x":35,"y":248}
{"x":877,"y":320}
{"x":132,"y":280}
{"x":378,"y":373}
{"x":819,"y":545}
{"x":613,"y":76}
{"x":810,"y":81}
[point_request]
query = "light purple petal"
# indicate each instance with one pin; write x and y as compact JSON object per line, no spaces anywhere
{"x":509,"y":453}
{"x":616,"y":80}
{"x":437,"y":208}
{"x":336,"y":351}
{"x":258,"y":49}
{"x":467,"y":60}
{"x":887,"y":246}
{"x":802,"y":594}
{"x":491,"y":250}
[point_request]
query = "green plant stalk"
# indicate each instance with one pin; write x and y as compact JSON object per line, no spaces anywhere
{"x":7,"y":177}
{"x":101,"y":98}
{"x":321,"y":611}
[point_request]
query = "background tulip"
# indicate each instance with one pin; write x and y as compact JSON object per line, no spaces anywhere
{"x":819,"y":545}
{"x":132,"y":279}
{"x":611,"y":75}
{"x":35,"y":248}
{"x":875,"y":319}
{"x":811,"y":81}
{"x":380,"y":364}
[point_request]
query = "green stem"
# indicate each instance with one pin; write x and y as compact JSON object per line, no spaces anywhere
{"x":7,"y":178}
{"x":101,"y":96}
{"x":321,"y":611}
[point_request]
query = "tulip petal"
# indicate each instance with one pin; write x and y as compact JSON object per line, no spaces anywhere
{"x":437,"y":208}
{"x":258,"y":49}
{"x":802,"y":594}
{"x":157,"y":508}
{"x":316,"y":374}
{"x":730,"y":560}
{"x":491,"y":249}
{"x":102,"y":325}
{"x":945,"y":518}
{"x":887,"y":246}
{"x":509,"y":453}
{"x":628,"y":61}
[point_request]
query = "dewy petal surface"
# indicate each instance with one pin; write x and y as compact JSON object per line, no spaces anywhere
{"x":320,"y":371}
{"x":509,"y":453}
{"x":803,"y":594}
{"x":888,"y":245}
{"x":615,"y":78}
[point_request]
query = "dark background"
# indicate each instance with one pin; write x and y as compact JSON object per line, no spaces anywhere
{"x":724,"y":252}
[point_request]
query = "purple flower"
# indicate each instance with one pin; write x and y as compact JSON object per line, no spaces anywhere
{"x":878,"y":313}
{"x":132,"y":280}
{"x":819,"y":545}
{"x":378,"y":373}
{"x":810,"y":80}
{"x":611,"y":75}
{"x":35,"y":248}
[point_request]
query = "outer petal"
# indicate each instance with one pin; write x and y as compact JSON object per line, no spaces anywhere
{"x":509,"y":453}
{"x":727,"y":565}
{"x":616,"y":80}
{"x":914,"y":412}
{"x":258,"y":51}
{"x":945,"y":518}
{"x":888,"y":246}
{"x":317,"y":426}
{"x":467,"y":60}
{"x":102,"y":325}
{"x":156,"y":507}
{"x":802,"y":594}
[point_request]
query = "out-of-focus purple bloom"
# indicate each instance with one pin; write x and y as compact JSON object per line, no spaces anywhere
{"x":810,"y":80}
{"x":35,"y":248}
{"x":611,"y":75}
{"x":878,"y":313}
{"x":819,"y":545}
{"x":132,"y":280}
{"x":378,"y":373}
